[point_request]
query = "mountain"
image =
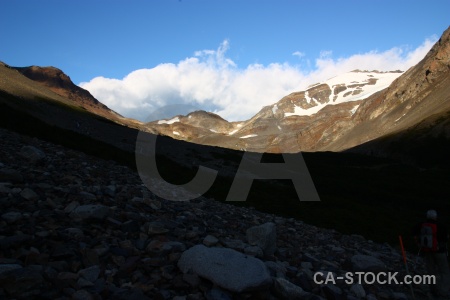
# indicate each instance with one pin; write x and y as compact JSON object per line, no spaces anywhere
{"x":361,"y":111}
{"x":412,"y":117}
{"x":342,"y":113}
{"x":169,"y":111}
{"x":95,"y":198}
{"x":55,"y":80}
{"x":299,"y":121}
{"x":46,"y":94}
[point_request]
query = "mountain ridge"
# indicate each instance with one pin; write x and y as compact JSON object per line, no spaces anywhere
{"x":339,"y":114}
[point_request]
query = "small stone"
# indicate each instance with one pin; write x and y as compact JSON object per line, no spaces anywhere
{"x":90,"y":274}
{"x":156,"y":228}
{"x":254,"y":251}
{"x":399,"y":296}
{"x":365,"y":263}
{"x":210,"y":241}
{"x":82,"y":282}
{"x":287,"y":290}
{"x":8,"y":267}
{"x":10,"y":175}
{"x":82,"y":295}
{"x":332,"y":292}
{"x":306,"y":265}
{"x":71,"y":206}
{"x":192,"y":279}
{"x":218,"y":294}
{"x":5,"y":187}
{"x":23,"y":283}
{"x":88,"y":196}
{"x":264,"y":236}
{"x":12,"y":217}
{"x":29,"y":194}
{"x":358,"y":291}
{"x":234,"y":244}
{"x":90,"y":211}
{"x":276,"y":269}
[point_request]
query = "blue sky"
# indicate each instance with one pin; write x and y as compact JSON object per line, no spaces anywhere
{"x":136,"y":56}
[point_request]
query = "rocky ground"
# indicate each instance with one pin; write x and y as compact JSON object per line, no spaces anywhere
{"x":74,"y":226}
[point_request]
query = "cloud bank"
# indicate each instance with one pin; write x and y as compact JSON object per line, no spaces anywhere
{"x":214,"y":82}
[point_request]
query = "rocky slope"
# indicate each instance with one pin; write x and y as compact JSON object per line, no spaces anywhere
{"x":77,"y":227}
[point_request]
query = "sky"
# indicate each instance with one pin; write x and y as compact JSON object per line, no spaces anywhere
{"x":231,"y":57}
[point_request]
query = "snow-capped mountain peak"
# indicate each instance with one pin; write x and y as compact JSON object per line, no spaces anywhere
{"x":347,"y":87}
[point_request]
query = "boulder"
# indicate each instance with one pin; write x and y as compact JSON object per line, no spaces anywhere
{"x":227,"y":268}
{"x":264,"y":236}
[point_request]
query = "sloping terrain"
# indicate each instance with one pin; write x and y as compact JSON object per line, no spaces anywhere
{"x":55,"y":80}
{"x":57,"y":102}
{"x":80,"y":227}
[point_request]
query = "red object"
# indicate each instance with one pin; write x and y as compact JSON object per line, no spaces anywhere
{"x":403,"y":249}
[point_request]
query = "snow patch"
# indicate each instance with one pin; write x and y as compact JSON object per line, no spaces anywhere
{"x":233,"y":132}
{"x":353,"y":110}
{"x":274,"y":109}
{"x":307,"y":97}
{"x":383,"y":80}
{"x":248,"y":136}
{"x":400,"y":118}
{"x":171,"y":121}
{"x":176,"y":133}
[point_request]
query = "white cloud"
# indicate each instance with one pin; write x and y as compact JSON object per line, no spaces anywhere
{"x":214,"y":82}
{"x":299,"y":54}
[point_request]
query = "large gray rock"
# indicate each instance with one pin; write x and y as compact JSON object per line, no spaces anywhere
{"x":90,"y":211}
{"x":226,"y":268}
{"x":264,"y":236}
{"x":366,"y":263}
